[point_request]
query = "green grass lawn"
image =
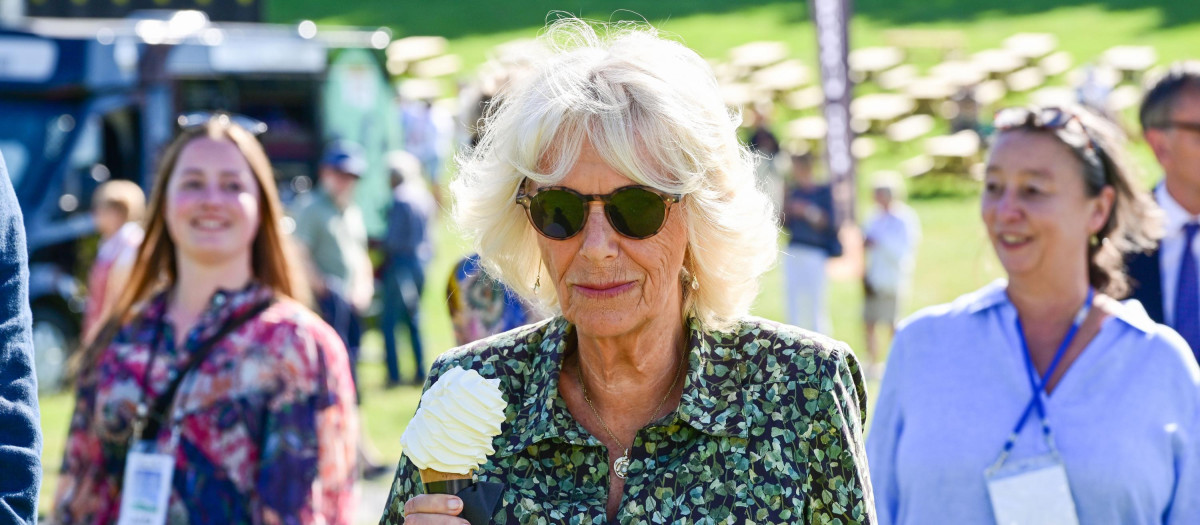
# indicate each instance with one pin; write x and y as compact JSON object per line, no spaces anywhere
{"x":954,"y":256}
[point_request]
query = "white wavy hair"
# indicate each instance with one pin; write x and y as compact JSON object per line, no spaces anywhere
{"x":652,"y":110}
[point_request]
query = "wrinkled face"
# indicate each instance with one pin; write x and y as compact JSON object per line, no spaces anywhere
{"x":1178,"y":149}
{"x":609,"y":285}
{"x":212,"y":211}
{"x":1035,"y":205}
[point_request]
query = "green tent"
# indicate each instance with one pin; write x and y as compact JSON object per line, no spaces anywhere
{"x":359,"y":106}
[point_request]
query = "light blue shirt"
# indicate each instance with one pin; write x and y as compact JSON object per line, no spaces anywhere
{"x":1125,"y":417}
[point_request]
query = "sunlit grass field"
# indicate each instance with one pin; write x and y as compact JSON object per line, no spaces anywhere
{"x":954,"y":257}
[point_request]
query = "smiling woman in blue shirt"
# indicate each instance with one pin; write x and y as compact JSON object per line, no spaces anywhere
{"x":1042,"y":398}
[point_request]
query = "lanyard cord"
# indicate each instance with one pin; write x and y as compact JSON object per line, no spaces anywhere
{"x":159,"y":328}
{"x":1031,"y":373}
{"x":153,"y":416}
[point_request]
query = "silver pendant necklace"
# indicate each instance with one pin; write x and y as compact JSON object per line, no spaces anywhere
{"x":620,"y":466}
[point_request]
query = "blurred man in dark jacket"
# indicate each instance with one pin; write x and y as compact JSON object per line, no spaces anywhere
{"x":1167,"y":280}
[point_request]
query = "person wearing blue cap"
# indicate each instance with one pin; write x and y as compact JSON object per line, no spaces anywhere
{"x":329,"y":225}
{"x":330,"y":228}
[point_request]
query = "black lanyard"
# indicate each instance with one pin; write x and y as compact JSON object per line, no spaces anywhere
{"x":154,"y":417}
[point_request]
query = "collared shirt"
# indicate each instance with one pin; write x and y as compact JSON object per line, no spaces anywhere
{"x":894,"y":235}
{"x":1170,"y":251}
{"x":336,"y":238}
{"x":1125,"y":417}
{"x":768,"y":430}
{"x":269,"y":426}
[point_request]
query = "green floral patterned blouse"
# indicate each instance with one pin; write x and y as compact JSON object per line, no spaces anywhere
{"x":769,"y":430}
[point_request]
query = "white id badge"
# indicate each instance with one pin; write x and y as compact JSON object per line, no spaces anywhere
{"x":147,"y":489}
{"x":1031,"y":491}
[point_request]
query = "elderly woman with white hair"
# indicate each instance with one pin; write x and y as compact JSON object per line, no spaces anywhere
{"x":610,"y":187}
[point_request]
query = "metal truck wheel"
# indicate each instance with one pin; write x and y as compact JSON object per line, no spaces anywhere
{"x":52,"y":343}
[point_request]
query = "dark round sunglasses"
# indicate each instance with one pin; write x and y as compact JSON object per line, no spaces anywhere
{"x":559,"y":213}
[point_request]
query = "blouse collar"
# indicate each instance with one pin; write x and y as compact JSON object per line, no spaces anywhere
{"x":712,"y":399}
{"x":995,"y":295}
{"x":222,"y":306}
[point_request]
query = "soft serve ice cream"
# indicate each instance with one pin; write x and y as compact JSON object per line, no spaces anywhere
{"x":453,"y":429}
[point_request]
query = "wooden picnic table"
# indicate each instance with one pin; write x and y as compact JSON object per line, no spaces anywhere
{"x":1124,"y":97}
{"x":1101,"y":74}
{"x":441,"y":66}
{"x":871,"y":61}
{"x":783,"y":76}
{"x":1053,"y":96}
{"x":1031,"y":46}
{"x":420,"y":89}
{"x":811,"y":129}
{"x":910,"y":128}
{"x":1131,"y":61}
{"x":897,"y":78}
{"x":1056,"y":64}
{"x":959,"y":73}
{"x":737,"y":94}
{"x":998,"y":63}
{"x":414,"y":48}
{"x":954,"y":153}
{"x":755,"y":55}
{"x":928,"y":92}
{"x":811,"y":97}
{"x":990,"y":92}
{"x":1027,"y":79}
{"x":881,"y":109}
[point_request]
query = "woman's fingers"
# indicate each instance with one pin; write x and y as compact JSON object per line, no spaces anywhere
{"x":432,"y":509}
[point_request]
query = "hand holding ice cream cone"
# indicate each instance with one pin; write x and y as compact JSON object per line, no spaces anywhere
{"x":451,"y":434}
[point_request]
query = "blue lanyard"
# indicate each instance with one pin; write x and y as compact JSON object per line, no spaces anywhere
{"x":1032,"y":373}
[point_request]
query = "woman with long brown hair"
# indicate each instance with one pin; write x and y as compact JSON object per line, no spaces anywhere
{"x":214,"y":395}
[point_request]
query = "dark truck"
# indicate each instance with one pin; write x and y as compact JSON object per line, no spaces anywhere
{"x":87,"y":100}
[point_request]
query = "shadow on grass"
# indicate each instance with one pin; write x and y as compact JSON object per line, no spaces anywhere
{"x":459,"y":18}
{"x":893,"y":12}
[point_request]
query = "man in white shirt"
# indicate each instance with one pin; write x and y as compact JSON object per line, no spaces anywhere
{"x":1165,"y":281}
{"x":890,"y":237}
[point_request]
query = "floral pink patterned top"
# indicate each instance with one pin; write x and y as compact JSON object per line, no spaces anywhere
{"x":268,"y":431}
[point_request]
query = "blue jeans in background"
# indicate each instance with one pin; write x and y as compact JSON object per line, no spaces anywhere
{"x":402,"y":284}
{"x":340,"y":315}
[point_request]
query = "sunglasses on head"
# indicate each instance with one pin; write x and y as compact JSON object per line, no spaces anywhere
{"x":1048,"y":118}
{"x":559,"y":213}
{"x":199,"y":118}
